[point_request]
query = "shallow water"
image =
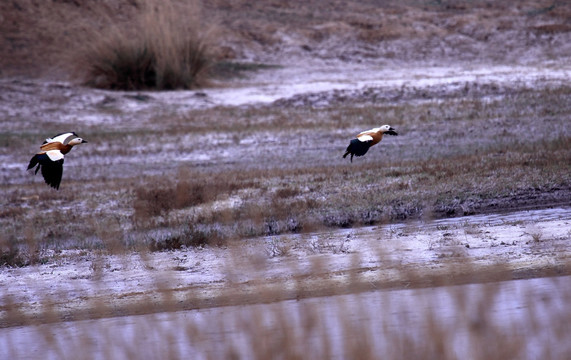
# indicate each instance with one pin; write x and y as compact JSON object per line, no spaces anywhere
{"x":474,"y":319}
{"x":269,"y":86}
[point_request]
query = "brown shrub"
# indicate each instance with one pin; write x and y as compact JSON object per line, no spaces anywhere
{"x":163,"y":47}
{"x":151,"y":202}
{"x":158,"y":198}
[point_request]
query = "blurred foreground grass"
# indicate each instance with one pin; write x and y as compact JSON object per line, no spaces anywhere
{"x":491,"y":317}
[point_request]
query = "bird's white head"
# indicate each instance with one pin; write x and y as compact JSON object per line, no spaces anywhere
{"x":76,"y":141}
{"x":387,"y":129}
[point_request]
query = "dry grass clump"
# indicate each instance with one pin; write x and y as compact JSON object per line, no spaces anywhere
{"x":535,"y":233}
{"x":18,"y":254}
{"x":12,"y":257}
{"x":158,"y":198}
{"x":164,"y":47}
{"x":204,"y":201}
{"x":191,"y":236}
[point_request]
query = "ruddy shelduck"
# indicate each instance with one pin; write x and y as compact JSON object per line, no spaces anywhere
{"x":366,"y":139}
{"x":50,"y":159}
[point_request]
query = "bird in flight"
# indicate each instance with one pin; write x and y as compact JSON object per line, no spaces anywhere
{"x":50,"y":159}
{"x":366,"y":139}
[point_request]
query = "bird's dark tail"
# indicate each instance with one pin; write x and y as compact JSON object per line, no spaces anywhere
{"x":347,"y":153}
{"x":33,"y":162}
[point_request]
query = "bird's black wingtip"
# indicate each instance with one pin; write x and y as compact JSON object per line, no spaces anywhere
{"x":33,"y":162}
{"x":52,"y":183}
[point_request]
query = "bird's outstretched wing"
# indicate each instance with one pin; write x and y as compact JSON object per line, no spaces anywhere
{"x":63,"y":138}
{"x":360,"y":146}
{"x":51,"y":165}
{"x":52,"y":172}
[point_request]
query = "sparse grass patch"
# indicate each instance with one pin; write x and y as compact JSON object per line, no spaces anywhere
{"x":535,"y":233}
{"x":278,"y":247}
{"x":324,"y":243}
{"x":15,"y":254}
{"x":11,"y":211}
{"x":151,"y":202}
{"x":471,"y":229}
{"x":158,"y":197}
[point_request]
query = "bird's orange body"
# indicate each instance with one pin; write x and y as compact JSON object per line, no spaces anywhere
{"x":376,"y":135}
{"x":56,"y":146}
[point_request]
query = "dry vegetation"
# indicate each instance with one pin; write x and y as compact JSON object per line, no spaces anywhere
{"x":165,"y":47}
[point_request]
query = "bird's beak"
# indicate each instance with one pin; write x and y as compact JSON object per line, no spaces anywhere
{"x":83,"y":141}
{"x":391,"y":131}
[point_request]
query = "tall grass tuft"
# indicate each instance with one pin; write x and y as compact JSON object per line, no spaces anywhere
{"x":163,"y":47}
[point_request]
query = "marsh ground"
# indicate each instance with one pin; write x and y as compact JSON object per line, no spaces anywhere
{"x":175,"y":188}
{"x":188,"y":163}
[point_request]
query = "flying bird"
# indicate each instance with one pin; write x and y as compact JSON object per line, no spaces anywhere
{"x":50,"y":159}
{"x":366,"y":139}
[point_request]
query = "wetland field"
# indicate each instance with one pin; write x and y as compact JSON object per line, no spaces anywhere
{"x":220,"y":220}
